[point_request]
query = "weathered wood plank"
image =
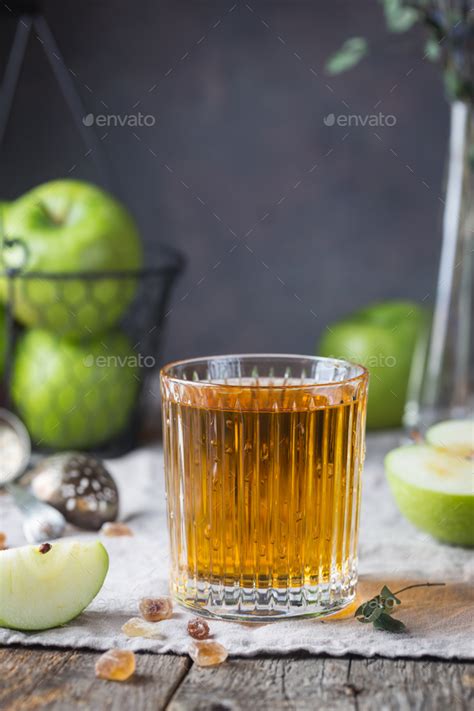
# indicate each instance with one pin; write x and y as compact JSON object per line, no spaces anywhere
{"x":282,"y":683}
{"x":301,"y":684}
{"x":31,"y":680}
{"x":411,"y":685}
{"x":59,"y":680}
{"x":21,"y":670}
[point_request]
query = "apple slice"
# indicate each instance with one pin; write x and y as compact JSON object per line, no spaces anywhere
{"x":434,"y":490}
{"x":455,"y":436}
{"x":47,"y":585}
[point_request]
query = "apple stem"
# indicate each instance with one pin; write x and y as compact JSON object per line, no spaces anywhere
{"x":55,"y":219}
{"x":418,"y":585}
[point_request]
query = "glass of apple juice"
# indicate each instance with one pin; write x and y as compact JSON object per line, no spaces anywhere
{"x":263,"y":459}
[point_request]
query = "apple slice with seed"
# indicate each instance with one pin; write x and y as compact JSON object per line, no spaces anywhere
{"x":47,"y":585}
{"x":434,"y":490}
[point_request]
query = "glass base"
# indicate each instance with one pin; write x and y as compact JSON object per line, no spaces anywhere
{"x":268,"y":604}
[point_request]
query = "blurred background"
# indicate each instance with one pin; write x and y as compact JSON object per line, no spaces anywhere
{"x":312,"y":207}
{"x":288,"y":223}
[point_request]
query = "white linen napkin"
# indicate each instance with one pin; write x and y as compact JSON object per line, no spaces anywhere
{"x":392,"y":552}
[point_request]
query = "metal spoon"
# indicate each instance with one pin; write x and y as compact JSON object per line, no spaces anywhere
{"x":41,"y":521}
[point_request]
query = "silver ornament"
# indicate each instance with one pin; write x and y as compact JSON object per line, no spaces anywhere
{"x":79,"y":486}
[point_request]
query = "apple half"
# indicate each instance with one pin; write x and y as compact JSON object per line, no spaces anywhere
{"x":455,"y":436}
{"x":40,"y":590}
{"x":434,"y":491}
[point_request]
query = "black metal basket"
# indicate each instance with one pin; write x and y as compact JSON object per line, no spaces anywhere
{"x":70,"y":301}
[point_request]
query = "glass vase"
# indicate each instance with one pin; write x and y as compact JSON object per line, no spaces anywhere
{"x":442,"y":377}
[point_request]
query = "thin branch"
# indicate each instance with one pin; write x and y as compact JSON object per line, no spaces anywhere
{"x":418,"y":585}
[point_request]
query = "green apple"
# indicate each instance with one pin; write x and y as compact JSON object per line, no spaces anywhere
{"x":71,"y":226}
{"x":455,"y":436}
{"x":74,"y":395}
{"x":3,"y":334}
{"x":43,"y":587}
{"x":382,"y":337}
{"x":434,"y":490}
{"x":3,"y":341}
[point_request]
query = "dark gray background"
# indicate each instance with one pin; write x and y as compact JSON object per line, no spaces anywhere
{"x":239,"y":123}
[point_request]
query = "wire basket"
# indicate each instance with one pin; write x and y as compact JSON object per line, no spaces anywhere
{"x":81,"y":351}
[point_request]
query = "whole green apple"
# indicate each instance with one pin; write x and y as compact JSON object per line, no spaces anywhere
{"x":74,"y":395}
{"x":3,"y":332}
{"x":3,"y":213}
{"x":71,"y":226}
{"x":3,"y":341}
{"x":382,"y":337}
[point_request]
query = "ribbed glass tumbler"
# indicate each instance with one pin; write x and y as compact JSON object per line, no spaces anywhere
{"x":263,"y":459}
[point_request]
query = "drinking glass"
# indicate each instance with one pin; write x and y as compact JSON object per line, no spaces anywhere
{"x":263,"y":459}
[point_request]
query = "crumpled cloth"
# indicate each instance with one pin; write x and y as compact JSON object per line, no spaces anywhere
{"x":391,"y":551}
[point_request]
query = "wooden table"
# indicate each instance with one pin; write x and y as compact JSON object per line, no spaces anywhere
{"x":37,"y":678}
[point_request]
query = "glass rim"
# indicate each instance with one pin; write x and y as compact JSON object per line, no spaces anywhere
{"x":165,"y":371}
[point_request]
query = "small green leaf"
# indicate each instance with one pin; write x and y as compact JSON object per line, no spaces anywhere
{"x":373,"y":613}
{"x":471,"y":156}
{"x":350,"y":54}
{"x":388,"y":600}
{"x":432,"y":50}
{"x":379,"y":609}
{"x":453,"y":84}
{"x":389,"y":624}
{"x":386,"y":593}
{"x":398,"y":16}
{"x":370,"y":610}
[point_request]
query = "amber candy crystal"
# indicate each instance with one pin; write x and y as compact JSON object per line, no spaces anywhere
{"x":198,"y":629}
{"x":115,"y":665}
{"x":138,"y":627}
{"x":115,"y":528}
{"x":206,"y":653}
{"x":155,"y":609}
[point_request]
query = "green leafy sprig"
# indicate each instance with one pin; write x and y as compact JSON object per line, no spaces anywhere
{"x":379,"y":609}
{"x":450,"y":40}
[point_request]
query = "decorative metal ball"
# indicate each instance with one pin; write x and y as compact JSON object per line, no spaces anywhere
{"x":79,"y":486}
